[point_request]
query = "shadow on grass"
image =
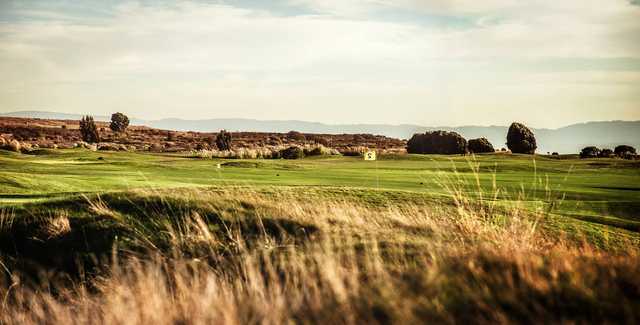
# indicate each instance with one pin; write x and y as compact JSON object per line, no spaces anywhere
{"x":78,"y":236}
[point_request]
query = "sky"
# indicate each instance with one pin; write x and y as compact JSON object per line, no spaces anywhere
{"x":546,"y":63}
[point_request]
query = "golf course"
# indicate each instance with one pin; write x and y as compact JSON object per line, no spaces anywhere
{"x":404,"y":238}
{"x":602,"y":191}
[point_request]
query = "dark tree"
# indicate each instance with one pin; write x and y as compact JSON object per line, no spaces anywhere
{"x":437,"y":142}
{"x":88,"y":130}
{"x":590,"y":152}
{"x":223,"y":140}
{"x":521,"y":140}
{"x":119,"y":122}
{"x":606,"y":153}
{"x":624,"y":150}
{"x":480,"y":145}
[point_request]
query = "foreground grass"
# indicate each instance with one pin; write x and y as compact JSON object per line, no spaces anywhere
{"x":242,"y":255}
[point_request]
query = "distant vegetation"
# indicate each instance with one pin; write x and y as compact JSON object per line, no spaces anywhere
{"x":88,"y":130}
{"x":481,"y":145}
{"x":27,"y":135}
{"x":223,"y":140}
{"x":520,"y":139}
{"x":622,"y":151}
{"x":119,"y":123}
{"x":625,"y":150}
{"x":437,"y":142}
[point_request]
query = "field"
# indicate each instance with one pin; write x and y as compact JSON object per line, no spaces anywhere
{"x":486,"y":238}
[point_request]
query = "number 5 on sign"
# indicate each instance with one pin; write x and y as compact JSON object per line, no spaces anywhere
{"x":370,"y":155}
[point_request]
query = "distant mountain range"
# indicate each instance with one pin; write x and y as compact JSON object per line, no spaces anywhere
{"x":569,"y":139}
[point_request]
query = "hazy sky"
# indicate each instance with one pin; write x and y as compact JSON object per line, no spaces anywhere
{"x":547,"y":63}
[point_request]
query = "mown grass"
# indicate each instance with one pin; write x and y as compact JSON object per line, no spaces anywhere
{"x":594,"y":190}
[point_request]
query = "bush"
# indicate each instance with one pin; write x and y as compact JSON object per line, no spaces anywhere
{"x":319,"y":150}
{"x":295,"y":135}
{"x":555,"y":154}
{"x":480,"y":145}
{"x":590,"y":152}
{"x":624,"y":150}
{"x":223,"y":140}
{"x":14,"y":146}
{"x":88,"y":130}
{"x":119,"y":122}
{"x":606,"y":153}
{"x":437,"y":142}
{"x":112,"y":147}
{"x":353,"y":151}
{"x":292,"y":152}
{"x":521,"y":140}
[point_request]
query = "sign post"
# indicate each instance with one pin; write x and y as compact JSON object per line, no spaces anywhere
{"x":370,"y":155}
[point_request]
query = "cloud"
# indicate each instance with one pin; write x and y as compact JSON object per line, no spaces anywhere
{"x":315,"y":63}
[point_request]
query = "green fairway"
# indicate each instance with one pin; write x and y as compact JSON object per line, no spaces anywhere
{"x":605,"y":191}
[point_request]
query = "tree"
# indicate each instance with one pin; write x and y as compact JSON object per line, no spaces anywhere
{"x":480,"y":145}
{"x":590,"y":152}
{"x":521,"y":140}
{"x":606,"y":153}
{"x":223,"y":140}
{"x":624,"y":150}
{"x":437,"y":142}
{"x":119,"y":122}
{"x":88,"y":130}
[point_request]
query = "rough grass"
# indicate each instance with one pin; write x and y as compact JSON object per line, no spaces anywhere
{"x":239,"y":255}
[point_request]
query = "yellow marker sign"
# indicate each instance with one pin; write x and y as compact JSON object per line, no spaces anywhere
{"x":370,"y":155}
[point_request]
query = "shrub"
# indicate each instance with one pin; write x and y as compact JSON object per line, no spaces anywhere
{"x":292,"y":152}
{"x":480,"y":145}
{"x":319,"y":150}
{"x":521,"y":140}
{"x":353,"y":151}
{"x":14,"y":145}
{"x":112,"y":147}
{"x":606,"y":153}
{"x":590,"y":152}
{"x":624,"y":150}
{"x":88,"y":130}
{"x":223,"y":140}
{"x":556,"y":154}
{"x":119,"y":122}
{"x":437,"y":142}
{"x":295,"y":135}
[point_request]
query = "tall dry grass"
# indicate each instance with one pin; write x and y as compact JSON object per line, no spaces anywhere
{"x":265,"y":152}
{"x":398,"y":263}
